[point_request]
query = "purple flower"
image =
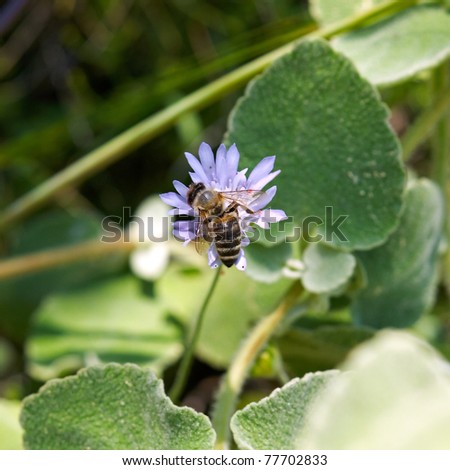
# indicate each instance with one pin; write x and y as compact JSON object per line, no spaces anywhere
{"x":221,"y":174}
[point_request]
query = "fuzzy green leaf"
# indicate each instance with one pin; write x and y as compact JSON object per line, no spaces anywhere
{"x":330,"y":11}
{"x":111,"y":407}
{"x":106,"y":321}
{"x":326,"y":269}
{"x":401,"y":46}
{"x":401,"y":274}
{"x":396,"y":397}
{"x":264,"y":263}
{"x":339,"y":158}
{"x":276,"y":421}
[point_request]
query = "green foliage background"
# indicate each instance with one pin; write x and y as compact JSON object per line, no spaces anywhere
{"x":357,"y":113}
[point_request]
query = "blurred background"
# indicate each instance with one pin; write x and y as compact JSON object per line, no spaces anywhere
{"x":75,"y":73}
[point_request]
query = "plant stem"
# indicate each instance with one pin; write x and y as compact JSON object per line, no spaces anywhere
{"x":440,"y":141}
{"x":234,"y":378}
{"x":134,"y":137}
{"x":423,"y":126}
{"x":440,"y":152}
{"x":54,"y":257}
{"x":186,"y":362}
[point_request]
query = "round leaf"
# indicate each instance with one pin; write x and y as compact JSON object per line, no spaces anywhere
{"x":339,"y":159}
{"x":401,"y":46}
{"x":266,"y":263}
{"x":111,"y":407}
{"x":275,"y":421}
{"x":326,"y":269}
{"x":401,"y":274}
{"x":330,"y":11}
{"x":397,"y":397}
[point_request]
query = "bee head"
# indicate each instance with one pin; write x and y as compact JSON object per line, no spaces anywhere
{"x":193,"y":191}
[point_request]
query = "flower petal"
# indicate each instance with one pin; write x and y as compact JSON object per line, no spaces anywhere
{"x":241,"y":262}
{"x":266,"y":179}
{"x":197,"y":167}
{"x":275,"y":215}
{"x":181,"y":188}
{"x":239,"y":180}
{"x":176,"y":211}
{"x":195,"y":178}
{"x":261,"y":170}
{"x":232,"y":163}
{"x":245,"y":241}
{"x":184,"y":230}
{"x":221,"y":167}
{"x":264,"y":199}
{"x":270,"y":216}
{"x":207,"y":160}
{"x":213,"y":257}
{"x":174,"y":199}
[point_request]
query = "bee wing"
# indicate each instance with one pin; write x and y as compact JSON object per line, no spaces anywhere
{"x":244,"y":198}
{"x":200,"y":240}
{"x":201,"y":245}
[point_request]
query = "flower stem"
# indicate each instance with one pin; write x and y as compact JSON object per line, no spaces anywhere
{"x":440,"y":141}
{"x":47,"y":259}
{"x":188,"y":357}
{"x":233,"y":380}
{"x":423,"y":126}
{"x":143,"y":132}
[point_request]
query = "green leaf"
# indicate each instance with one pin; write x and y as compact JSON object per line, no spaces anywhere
{"x":401,"y":274}
{"x":339,"y":158}
{"x":106,"y":321}
{"x":265,"y":264}
{"x":10,"y":430}
{"x":21,"y":295}
{"x":326,"y":269}
{"x":330,"y":11}
{"x":325,"y":347}
{"x":111,"y":407}
{"x":238,"y":302}
{"x":396,"y":397}
{"x":276,"y":421}
{"x":401,"y":46}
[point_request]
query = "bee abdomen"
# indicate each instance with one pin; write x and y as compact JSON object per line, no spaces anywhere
{"x":227,"y":238}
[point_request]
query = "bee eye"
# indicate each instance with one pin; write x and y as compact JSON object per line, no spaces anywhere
{"x":205,"y":198}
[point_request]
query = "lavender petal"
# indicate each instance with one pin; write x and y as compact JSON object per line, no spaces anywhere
{"x":174,"y":199}
{"x":266,"y":179}
{"x":181,"y":188}
{"x":213,"y":257}
{"x":207,"y":160}
{"x":232,"y":162}
{"x":197,"y":167}
{"x":241,"y":262}
{"x":262,"y":169}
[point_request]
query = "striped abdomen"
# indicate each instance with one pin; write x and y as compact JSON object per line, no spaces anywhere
{"x":226,"y":234}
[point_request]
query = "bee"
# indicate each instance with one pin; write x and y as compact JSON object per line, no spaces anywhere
{"x":220,"y":222}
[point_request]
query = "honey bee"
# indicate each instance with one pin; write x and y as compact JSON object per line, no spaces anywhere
{"x":220,"y":223}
